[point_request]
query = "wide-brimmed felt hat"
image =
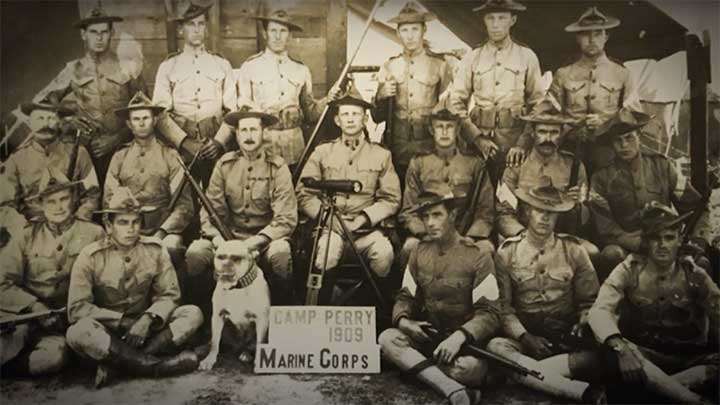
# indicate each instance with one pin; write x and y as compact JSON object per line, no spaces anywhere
{"x":279,"y":16}
{"x":124,"y":202}
{"x":428,"y":199}
{"x":351,"y":97}
{"x":232,"y":118}
{"x":49,"y":103}
{"x":624,"y":121}
{"x":96,"y":16}
{"x":492,"y":6}
{"x":545,"y":196}
{"x":139,"y":102}
{"x":410,"y":13}
{"x":593,"y":19}
{"x":656,"y":217}
{"x":52,"y":180}
{"x":190,"y":11}
{"x":548,"y":111}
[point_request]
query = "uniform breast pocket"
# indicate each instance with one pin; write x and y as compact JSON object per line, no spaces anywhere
{"x":524,"y":279}
{"x":181,"y":85}
{"x":260,"y":193}
{"x":656,"y":192}
{"x":560,"y":276}
{"x":483,"y":77}
{"x":575,"y":94}
{"x":118,"y":87}
{"x":213,"y":81}
{"x":427,"y":86}
{"x":513,"y":78}
{"x":611,"y":93}
{"x":43,"y":267}
{"x":368,"y":174}
{"x":81,"y":87}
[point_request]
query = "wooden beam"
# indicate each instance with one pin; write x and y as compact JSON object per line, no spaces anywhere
{"x":698,"y":68}
{"x":170,"y":27}
{"x":214,"y":31}
{"x":336,"y":40}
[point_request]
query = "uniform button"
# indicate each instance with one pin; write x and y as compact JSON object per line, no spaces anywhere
{"x":447,"y":179}
{"x":412,"y":62}
{"x":198,"y":106}
{"x":250,"y":168}
{"x":142,"y":154}
{"x":59,"y":268}
{"x":198,"y":72}
{"x":100,"y":76}
{"x":411,"y":76}
{"x":499,"y":64}
{"x":592,"y":97}
{"x":127,"y":259}
{"x":411,"y":94}
{"x":542,"y":292}
{"x":247,"y":187}
{"x":662,"y":298}
{"x":247,"y":219}
{"x":447,"y":163}
{"x":495,"y":103}
{"x":542,"y":271}
{"x":142,"y":170}
{"x":594,"y":80}
{"x":59,"y":248}
{"x":281,"y":76}
{"x":350,"y":162}
{"x":247,"y":206}
{"x":282,"y":94}
{"x":497,"y":83}
{"x":197,"y":91}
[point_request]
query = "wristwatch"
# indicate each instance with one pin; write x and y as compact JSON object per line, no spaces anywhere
{"x":616,"y":343}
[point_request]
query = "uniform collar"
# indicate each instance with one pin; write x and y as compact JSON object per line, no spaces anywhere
{"x":278,"y":57}
{"x":45,"y":148}
{"x":540,"y":244}
{"x":536,"y":156}
{"x":150,"y":144}
{"x":446,"y":153}
{"x":505,"y":46}
{"x":353,"y":143}
{"x":59,"y":229}
{"x":246,"y":280}
{"x":91,"y":60}
{"x":592,"y":64}
{"x":445,"y":244}
{"x":420,"y":52}
{"x":258,"y":156}
{"x":194,"y":51}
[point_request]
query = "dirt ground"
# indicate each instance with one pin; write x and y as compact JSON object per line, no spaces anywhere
{"x":232,"y":382}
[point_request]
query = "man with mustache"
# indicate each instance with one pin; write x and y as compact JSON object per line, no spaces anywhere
{"x":152,"y":172}
{"x":196,"y":87}
{"x":549,"y":126}
{"x":503,"y":78}
{"x":252,"y":192}
{"x":593,"y":88}
{"x":665,"y":338}
{"x":446,"y":169}
{"x":123,"y":301}
{"x":450,"y":285}
{"x":100,"y":83}
{"x":413,"y":81}
{"x":547,"y":285}
{"x":46,"y":148}
{"x":35,"y":273}
{"x":634,"y":178}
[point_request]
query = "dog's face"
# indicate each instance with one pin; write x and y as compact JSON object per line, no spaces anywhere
{"x":232,"y":261}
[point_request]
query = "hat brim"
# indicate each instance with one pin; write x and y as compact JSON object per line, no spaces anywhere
{"x":234,"y":117}
{"x":28,"y":108}
{"x":443,"y":117}
{"x":125,"y":111}
{"x":659,"y":226}
{"x":96,"y":20}
{"x":347,"y":100}
{"x":291,"y":26}
{"x":454,"y":202}
{"x":609,"y":24}
{"x":548,"y":119}
{"x":53,"y":189}
{"x":138,"y":210}
{"x":419,"y":18}
{"x":606,"y":136}
{"x":199,"y":11}
{"x":533,"y":201}
{"x":514,"y":8}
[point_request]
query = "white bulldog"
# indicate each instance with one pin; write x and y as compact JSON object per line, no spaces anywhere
{"x":241,"y":300}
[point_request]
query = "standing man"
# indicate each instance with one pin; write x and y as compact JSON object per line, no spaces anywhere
{"x":352,"y":157}
{"x":100,"y":84}
{"x":666,"y":336}
{"x":503,"y":78}
{"x":35,"y":273}
{"x":123,"y":300}
{"x":549,"y":127}
{"x":46,"y":148}
{"x":548,"y":284}
{"x":633,"y":178}
{"x":447,"y":170}
{"x":412,"y":83}
{"x":251,"y":191}
{"x":449,"y":284}
{"x":594,"y":88}
{"x":275,"y":83}
{"x":151,"y":170}
{"x":196,"y":87}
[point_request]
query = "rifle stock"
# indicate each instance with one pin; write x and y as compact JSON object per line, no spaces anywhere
{"x":468,"y":216}
{"x":11,"y":322}
{"x":473,"y":350}
{"x":73,"y":157}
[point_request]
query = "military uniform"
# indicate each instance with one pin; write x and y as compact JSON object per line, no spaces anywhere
{"x":558,"y":167}
{"x":109,"y":283}
{"x":282,"y":87}
{"x":35,"y":267}
{"x":252,"y":197}
{"x":371,"y":165}
{"x":24,"y":168}
{"x":421,"y":79}
{"x":151,"y":172}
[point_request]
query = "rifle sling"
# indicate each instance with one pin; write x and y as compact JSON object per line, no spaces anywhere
{"x":416,"y":369}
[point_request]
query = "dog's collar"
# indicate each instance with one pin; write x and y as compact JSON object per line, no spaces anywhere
{"x":246,"y":280}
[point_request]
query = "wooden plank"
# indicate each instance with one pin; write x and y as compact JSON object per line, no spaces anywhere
{"x":311,"y":51}
{"x":336,"y":34}
{"x":235,"y":21}
{"x":236,"y":50}
{"x":126,"y":8}
{"x":214,"y":25}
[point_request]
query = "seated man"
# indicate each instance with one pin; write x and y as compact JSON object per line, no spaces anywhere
{"x":444,"y":170}
{"x":123,"y":300}
{"x":670,"y":307}
{"x":34,"y":276}
{"x":11,"y":221}
{"x":449,"y":284}
{"x":353,"y":157}
{"x":634,"y":178}
{"x":251,"y":191}
{"x":150,"y":169}
{"x":547,"y":286}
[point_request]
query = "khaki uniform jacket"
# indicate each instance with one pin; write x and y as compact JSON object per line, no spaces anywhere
{"x":152,"y":174}
{"x":556,"y":282}
{"x":618,"y":194}
{"x":451,"y":287}
{"x":35,"y":265}
{"x":368,"y":163}
{"x":421,"y":79}
{"x":252,"y":196}
{"x":664,"y":311}
{"x":558,"y":168}
{"x":433,"y":173}
{"x":107,"y":282}
{"x":195,"y":87}
{"x":24,"y":169}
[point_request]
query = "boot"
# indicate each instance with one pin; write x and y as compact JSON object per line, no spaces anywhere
{"x":162,"y":343}
{"x":125,"y":357}
{"x":184,"y":362}
{"x":103,"y":375}
{"x":465,"y":396}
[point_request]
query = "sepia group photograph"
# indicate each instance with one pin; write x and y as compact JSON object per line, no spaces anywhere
{"x":358,"y":202}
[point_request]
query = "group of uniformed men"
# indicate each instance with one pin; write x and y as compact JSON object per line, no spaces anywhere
{"x":536,"y":299}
